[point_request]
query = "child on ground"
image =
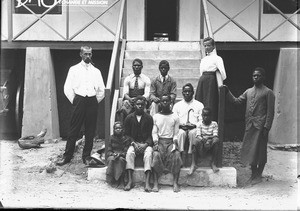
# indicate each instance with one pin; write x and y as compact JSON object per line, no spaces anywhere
{"x":116,"y":153}
{"x":206,"y":141}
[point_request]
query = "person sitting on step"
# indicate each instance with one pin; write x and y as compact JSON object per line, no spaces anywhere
{"x":116,"y":152}
{"x":134,"y":84}
{"x":162,"y":84}
{"x":206,"y":141}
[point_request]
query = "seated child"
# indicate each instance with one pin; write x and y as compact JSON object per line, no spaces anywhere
{"x":206,"y":140}
{"x":116,"y":153}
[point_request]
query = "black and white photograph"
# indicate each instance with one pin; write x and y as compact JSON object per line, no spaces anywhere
{"x":150,"y":104}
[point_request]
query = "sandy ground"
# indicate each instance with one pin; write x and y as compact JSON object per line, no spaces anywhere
{"x":24,"y":183}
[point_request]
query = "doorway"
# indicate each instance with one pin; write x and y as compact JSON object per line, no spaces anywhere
{"x":162,"y":20}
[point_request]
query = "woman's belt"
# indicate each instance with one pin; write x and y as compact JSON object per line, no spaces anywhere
{"x":209,"y":73}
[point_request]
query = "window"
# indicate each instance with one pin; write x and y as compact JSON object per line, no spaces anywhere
{"x":285,"y":6}
{"x":37,"y":6}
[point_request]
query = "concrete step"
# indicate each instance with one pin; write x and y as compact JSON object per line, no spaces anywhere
{"x":202,"y":177}
{"x":180,"y":81}
{"x":153,"y":63}
{"x":179,"y":91}
{"x":154,"y":46}
{"x":162,"y":55}
{"x":174,"y":72}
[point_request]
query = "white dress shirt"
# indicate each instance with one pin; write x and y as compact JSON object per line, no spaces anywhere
{"x":182,"y":107}
{"x":212,"y":62}
{"x":84,"y":80}
{"x":144,"y":82}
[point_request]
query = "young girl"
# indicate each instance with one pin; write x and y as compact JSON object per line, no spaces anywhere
{"x":116,"y":162}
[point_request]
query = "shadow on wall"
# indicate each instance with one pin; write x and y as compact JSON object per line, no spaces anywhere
{"x":63,"y":60}
{"x":239,"y":65}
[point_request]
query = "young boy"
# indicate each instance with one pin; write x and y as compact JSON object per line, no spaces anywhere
{"x":116,"y":162}
{"x":206,"y":140}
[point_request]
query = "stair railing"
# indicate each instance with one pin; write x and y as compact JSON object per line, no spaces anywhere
{"x":221,"y":107}
{"x":113,"y":79}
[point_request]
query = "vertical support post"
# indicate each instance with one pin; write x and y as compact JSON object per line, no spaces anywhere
{"x":67,"y":21}
{"x":125,"y":21}
{"x":201,"y":21}
{"x":260,"y":4}
{"x":117,"y":69}
{"x":107,"y":110}
{"x":221,"y":124}
{"x":10,"y":20}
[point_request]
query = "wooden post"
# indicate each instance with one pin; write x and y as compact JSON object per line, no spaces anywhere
{"x":107,"y":117}
{"x":10,"y":20}
{"x":221,"y":124}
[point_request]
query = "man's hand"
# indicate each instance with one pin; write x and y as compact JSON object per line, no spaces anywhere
{"x":143,"y":147}
{"x":156,"y":100}
{"x":116,"y":155}
{"x":155,"y":147}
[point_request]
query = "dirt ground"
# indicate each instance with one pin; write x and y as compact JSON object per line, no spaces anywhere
{"x":25,"y":183}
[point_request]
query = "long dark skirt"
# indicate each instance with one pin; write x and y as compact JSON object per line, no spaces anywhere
{"x":164,"y":160}
{"x":115,"y":167}
{"x":207,"y":92}
{"x":254,"y":148}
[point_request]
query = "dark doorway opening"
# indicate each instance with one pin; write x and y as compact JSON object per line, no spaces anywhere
{"x":162,"y":19}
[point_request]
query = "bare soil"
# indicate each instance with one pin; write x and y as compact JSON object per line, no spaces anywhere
{"x":29,"y":179}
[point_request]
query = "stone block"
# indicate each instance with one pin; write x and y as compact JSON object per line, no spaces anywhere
{"x":202,"y":177}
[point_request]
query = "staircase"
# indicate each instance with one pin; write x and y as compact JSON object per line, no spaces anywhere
{"x":184,"y":59}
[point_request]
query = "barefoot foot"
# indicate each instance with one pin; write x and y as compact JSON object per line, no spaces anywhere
{"x":176,"y":188}
{"x":215,"y":168}
{"x":192,"y":169}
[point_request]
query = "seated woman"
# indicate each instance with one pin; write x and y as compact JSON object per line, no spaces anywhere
{"x":166,"y":157}
{"x":116,"y":162}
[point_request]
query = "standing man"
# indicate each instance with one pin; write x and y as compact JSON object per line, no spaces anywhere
{"x":162,"y":84}
{"x":189,"y":112}
{"x":207,"y":89}
{"x":166,"y":158}
{"x":138,"y":126}
{"x":84,"y":88}
{"x":259,"y":116}
{"x":135,"y":84}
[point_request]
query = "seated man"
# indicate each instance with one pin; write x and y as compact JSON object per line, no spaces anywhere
{"x":206,"y":140}
{"x":138,"y":126}
{"x":166,"y":158}
{"x":189,"y":112}
{"x":135,"y":84}
{"x":162,"y":84}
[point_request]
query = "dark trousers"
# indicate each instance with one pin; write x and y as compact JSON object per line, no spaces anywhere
{"x":85,"y":112}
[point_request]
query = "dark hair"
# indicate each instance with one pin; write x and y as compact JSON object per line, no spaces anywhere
{"x":140,"y":97}
{"x":166,"y":95}
{"x":209,"y":39}
{"x":118,"y":123}
{"x":207,"y":109}
{"x":189,"y":85}
{"x":164,"y":62}
{"x":261,"y":70}
{"x":137,"y":60}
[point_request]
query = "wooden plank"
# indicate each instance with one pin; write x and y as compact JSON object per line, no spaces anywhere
{"x":107,"y":117}
{"x":221,"y":124}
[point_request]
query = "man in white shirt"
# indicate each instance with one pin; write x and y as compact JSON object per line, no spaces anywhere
{"x":135,"y":84}
{"x":84,"y":88}
{"x":189,"y":112}
{"x":207,"y":89}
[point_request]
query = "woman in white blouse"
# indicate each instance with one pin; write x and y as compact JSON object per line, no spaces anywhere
{"x":207,"y":89}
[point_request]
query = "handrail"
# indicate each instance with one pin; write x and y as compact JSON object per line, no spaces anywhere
{"x":113,"y":72}
{"x":221,"y":106}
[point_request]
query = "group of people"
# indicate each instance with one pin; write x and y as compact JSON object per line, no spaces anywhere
{"x":152,"y":125}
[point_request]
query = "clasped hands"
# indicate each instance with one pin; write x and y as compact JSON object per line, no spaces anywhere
{"x":139,"y":147}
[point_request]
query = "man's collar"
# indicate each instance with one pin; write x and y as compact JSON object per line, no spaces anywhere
{"x":85,"y":64}
{"x":214,"y":52}
{"x":161,"y":77}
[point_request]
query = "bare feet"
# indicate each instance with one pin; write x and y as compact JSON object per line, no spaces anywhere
{"x":128,"y":186}
{"x":214,"y":168}
{"x":176,"y":188}
{"x":192,"y":169}
{"x":147,"y":187}
{"x":256,"y":180}
{"x":155,"y":188}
